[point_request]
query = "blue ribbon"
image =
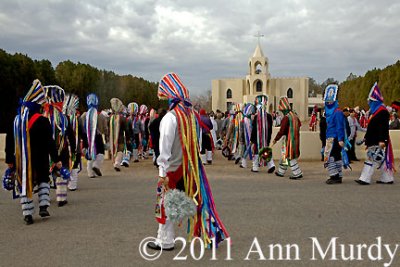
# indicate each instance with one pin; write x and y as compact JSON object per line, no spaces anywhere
{"x":173,"y":102}
{"x":32,"y":106}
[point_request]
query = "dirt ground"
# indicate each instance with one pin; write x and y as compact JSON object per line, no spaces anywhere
{"x":107,"y":218}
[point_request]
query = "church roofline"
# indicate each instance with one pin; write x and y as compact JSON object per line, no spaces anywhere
{"x":294,"y":77}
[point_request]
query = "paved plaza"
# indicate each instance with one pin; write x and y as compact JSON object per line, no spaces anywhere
{"x":107,"y":218}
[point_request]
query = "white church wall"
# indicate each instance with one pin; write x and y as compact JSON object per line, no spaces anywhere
{"x":220,"y":88}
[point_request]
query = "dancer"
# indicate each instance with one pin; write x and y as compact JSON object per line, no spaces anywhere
{"x":206,"y":138}
{"x":335,"y":135}
{"x":135,"y":126}
{"x":118,"y":133}
{"x":377,"y":141}
{"x":245,"y":134}
{"x":290,"y":131}
{"x":64,"y":136}
{"x":70,"y":106}
{"x":261,"y":134}
{"x":144,"y":118}
{"x":93,"y":126}
{"x":34,"y":144}
{"x":180,"y":167}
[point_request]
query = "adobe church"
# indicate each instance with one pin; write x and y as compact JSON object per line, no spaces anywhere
{"x":226,"y":92}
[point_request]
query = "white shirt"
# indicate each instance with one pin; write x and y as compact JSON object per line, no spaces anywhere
{"x":170,"y":157}
{"x":214,"y":130}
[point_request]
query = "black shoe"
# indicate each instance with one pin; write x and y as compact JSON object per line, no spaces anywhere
{"x":278,"y":174}
{"x":28,"y":219}
{"x":117,"y":169}
{"x":155,"y":246}
{"x":237,"y":160}
{"x":97,"y":171}
{"x":271,"y":170}
{"x":62,"y":203}
{"x":209,"y":162}
{"x":43,"y":211}
{"x":93,"y":176}
{"x":72,"y":189}
{"x":241,"y":166}
{"x":298,"y":177}
{"x":253,"y":170}
{"x":361,"y":182}
{"x":380,"y":182}
{"x":334,"y":181}
{"x":125,"y":164}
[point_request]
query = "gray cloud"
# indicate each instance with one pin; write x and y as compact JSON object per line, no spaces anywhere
{"x":207,"y":39}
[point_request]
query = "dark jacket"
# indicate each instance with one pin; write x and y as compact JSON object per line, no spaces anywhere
{"x":206,"y":123}
{"x":254,"y":130}
{"x":378,"y":129}
{"x":42,"y":145}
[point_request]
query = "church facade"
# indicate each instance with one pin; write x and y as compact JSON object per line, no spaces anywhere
{"x":258,"y":81}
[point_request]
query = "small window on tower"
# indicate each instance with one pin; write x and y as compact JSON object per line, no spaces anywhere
{"x":259,"y":86}
{"x":229,"y":93}
{"x":290,"y":93}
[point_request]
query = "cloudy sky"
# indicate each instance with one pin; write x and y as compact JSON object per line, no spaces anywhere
{"x":207,"y":39}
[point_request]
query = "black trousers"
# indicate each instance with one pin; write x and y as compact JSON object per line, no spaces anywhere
{"x":352,"y":150}
{"x":205,"y":143}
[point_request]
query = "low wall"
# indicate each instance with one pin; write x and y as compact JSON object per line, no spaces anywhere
{"x":310,"y":145}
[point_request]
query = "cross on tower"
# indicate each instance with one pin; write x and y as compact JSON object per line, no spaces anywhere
{"x":259,"y":35}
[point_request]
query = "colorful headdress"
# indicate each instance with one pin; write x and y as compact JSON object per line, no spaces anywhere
{"x":239,"y":107}
{"x":261,"y":100}
{"x":206,"y":223}
{"x":171,"y":88}
{"x":116,"y":105}
{"x":331,"y":92}
{"x":284,"y":104}
{"x":133,"y":108}
{"x":92,"y":101}
{"x":53,"y":111}
{"x":248,"y":109}
{"x":33,"y":100}
{"x":375,"y":93}
{"x":143,"y":110}
{"x":71,"y":104}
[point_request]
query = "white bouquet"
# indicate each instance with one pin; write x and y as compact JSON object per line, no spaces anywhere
{"x":178,"y":206}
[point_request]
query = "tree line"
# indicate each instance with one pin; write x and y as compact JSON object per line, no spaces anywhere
{"x":18,"y":71}
{"x":355,"y":89}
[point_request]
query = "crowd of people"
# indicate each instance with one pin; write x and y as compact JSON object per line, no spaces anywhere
{"x":50,"y":137}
